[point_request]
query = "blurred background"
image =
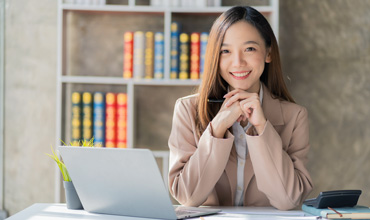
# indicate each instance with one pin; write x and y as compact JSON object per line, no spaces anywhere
{"x":325,"y":51}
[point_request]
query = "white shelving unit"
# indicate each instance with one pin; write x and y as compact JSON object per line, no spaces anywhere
{"x":271,"y":11}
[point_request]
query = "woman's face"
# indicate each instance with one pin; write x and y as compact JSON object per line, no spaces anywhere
{"x":243,"y":56}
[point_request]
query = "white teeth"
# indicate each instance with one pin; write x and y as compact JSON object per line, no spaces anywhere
{"x":240,"y":74}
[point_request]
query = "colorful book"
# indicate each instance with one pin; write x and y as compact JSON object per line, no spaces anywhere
{"x":128,"y":48}
{"x":158,"y":55}
{"x":99,"y":119}
{"x":76,"y":118}
{"x":149,"y":55}
{"x":174,"y":62}
{"x":356,"y":212}
{"x":110,"y":120}
{"x":184,"y":56}
{"x":139,"y":55}
{"x":87,"y":116}
{"x":203,"y":47}
{"x":194,"y":55}
{"x":122,"y":120}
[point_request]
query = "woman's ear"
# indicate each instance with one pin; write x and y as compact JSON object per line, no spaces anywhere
{"x":268,"y":55}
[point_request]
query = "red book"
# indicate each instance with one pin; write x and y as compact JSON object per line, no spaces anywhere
{"x":194,"y":55}
{"x":128,"y":49}
{"x":122,"y":120}
{"x":111,"y":120}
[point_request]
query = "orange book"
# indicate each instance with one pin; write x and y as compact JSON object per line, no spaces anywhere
{"x":194,"y":55}
{"x":128,"y":49}
{"x":122,"y":120}
{"x":111,"y":120}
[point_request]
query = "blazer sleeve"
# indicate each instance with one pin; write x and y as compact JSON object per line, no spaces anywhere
{"x":196,"y":164}
{"x":281,"y":174}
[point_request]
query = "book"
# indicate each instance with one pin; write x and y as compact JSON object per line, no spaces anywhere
{"x":128,"y":49}
{"x":110,"y":120}
{"x":139,"y":55}
{"x":184,"y":56}
{"x":158,"y":55}
{"x":203,"y":48}
{"x":99,"y":119}
{"x":122,"y":120}
{"x":174,"y":58}
{"x":149,"y":55}
{"x":87,"y":116}
{"x":194,"y":55}
{"x":76,"y":118}
{"x":356,"y":212}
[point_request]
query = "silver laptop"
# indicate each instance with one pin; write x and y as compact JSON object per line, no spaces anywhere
{"x":122,"y":182}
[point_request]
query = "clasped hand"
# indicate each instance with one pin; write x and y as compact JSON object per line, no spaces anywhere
{"x":239,"y":106}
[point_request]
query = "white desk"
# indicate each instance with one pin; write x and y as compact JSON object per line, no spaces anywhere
{"x":41,"y":211}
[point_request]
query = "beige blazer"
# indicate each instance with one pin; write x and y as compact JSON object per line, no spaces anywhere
{"x":203,"y":169}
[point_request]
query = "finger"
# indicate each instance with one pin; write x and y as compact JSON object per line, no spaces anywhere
{"x":240,"y":118}
{"x":239,"y":96}
{"x":235,"y":91}
{"x":231,"y":93}
{"x":245,"y":105}
{"x":245,"y":117}
{"x":230,"y":101}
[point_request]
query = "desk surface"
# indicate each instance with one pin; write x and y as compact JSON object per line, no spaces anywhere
{"x":55,"y":211}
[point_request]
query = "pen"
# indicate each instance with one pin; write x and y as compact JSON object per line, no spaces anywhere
{"x":215,"y":100}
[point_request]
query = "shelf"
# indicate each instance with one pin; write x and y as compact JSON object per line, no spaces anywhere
{"x":154,"y":9}
{"x":122,"y":81}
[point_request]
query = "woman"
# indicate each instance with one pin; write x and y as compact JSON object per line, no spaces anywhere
{"x":250,"y":150}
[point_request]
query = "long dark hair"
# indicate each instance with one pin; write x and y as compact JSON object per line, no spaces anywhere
{"x":213,"y":84}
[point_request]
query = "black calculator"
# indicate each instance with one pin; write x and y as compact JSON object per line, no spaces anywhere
{"x":335,"y":199}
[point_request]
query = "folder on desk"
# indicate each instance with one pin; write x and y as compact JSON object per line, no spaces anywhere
{"x":356,"y":212}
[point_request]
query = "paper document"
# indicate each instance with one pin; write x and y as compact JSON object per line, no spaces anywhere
{"x":261,"y":211}
{"x":258,"y":217}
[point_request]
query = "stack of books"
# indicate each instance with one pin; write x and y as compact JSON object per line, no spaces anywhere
{"x":143,"y":55}
{"x":100,"y":115}
{"x":187,"y":53}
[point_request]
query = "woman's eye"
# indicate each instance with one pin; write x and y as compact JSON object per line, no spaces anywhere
{"x":250,"y":49}
{"x":224,"y":51}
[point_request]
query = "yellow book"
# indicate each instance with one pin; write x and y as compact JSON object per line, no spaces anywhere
{"x":184,"y":56}
{"x":149,"y":55}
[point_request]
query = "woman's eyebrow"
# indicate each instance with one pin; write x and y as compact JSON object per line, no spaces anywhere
{"x":245,"y":43}
{"x":251,"y":42}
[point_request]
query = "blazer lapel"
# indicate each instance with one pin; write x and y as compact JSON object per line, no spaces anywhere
{"x":231,"y":172}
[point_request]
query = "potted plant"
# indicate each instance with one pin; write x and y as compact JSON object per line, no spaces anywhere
{"x":72,"y":199}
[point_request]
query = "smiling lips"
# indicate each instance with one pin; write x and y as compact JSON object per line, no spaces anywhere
{"x":240,"y":75}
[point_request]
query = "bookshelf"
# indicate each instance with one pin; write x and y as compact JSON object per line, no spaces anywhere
{"x":89,"y":61}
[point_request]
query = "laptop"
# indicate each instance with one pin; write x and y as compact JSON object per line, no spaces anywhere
{"x":123,"y":182}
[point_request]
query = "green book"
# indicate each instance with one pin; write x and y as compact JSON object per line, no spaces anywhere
{"x":356,"y":212}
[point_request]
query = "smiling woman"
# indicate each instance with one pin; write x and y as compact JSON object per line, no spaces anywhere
{"x":250,"y":150}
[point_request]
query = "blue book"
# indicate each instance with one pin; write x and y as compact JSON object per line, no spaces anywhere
{"x":174,"y":63}
{"x":99,"y":119}
{"x":158,"y":55}
{"x":359,"y":212}
{"x":203,"y":47}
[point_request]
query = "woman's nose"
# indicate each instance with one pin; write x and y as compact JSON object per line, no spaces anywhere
{"x":238,"y":60}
